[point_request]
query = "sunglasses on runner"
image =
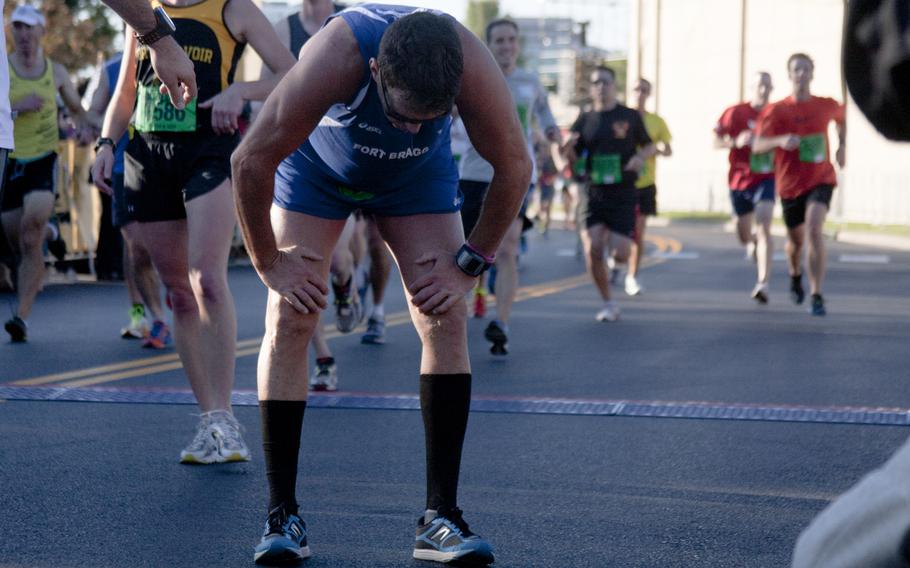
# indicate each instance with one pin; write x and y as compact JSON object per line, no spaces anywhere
{"x":393,"y":115}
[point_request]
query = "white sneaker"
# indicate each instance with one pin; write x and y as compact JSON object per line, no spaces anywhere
{"x":203,"y":449}
{"x":633,"y":288}
{"x":610,"y":312}
{"x":228,"y":438}
{"x":324,"y":378}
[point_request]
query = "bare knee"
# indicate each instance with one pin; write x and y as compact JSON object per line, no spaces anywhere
{"x":283,"y":321}
{"x":443,"y":328}
{"x":138,"y":254}
{"x":622,"y":252}
{"x":32,"y":233}
{"x":210,"y":287}
{"x":182,"y":298}
{"x":595,"y":251}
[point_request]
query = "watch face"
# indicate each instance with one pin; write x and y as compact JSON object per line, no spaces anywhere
{"x":469,"y":263}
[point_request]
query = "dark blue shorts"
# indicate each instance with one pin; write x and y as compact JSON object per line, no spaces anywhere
{"x":302,"y":187}
{"x":745,"y":200}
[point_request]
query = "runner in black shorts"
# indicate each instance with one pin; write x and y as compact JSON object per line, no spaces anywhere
{"x":614,"y":145}
{"x":178,"y":188}
{"x":796,"y":129}
{"x":35,"y":81}
{"x":476,"y":174}
{"x":647,"y":190}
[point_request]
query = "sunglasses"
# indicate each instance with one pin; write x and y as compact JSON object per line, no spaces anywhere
{"x":397,"y":117}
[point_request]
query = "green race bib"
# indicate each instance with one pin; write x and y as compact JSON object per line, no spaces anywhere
{"x":605,"y":169}
{"x":580,"y":167}
{"x":812,"y":149}
{"x":523,"y":117}
{"x":761,"y":163}
{"x":155,"y":113}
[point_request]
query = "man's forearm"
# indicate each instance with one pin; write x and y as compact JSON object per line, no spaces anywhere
{"x":648,"y":151}
{"x":137,"y":13}
{"x":254,"y":189}
{"x":763,"y":144}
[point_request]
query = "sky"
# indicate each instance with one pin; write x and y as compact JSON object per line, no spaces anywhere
{"x":609,"y":19}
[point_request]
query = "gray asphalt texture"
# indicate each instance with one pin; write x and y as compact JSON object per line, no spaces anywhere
{"x":91,"y":484}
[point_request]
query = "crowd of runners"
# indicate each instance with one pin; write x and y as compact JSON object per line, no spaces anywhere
{"x":376,"y":133}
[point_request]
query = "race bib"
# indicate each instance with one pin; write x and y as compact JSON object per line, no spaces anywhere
{"x":523,"y":117}
{"x":605,"y":169}
{"x":155,"y":113}
{"x":761,"y":163}
{"x":580,"y":167}
{"x":812,"y":149}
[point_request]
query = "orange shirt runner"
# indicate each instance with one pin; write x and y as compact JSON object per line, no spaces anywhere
{"x":799,"y":171}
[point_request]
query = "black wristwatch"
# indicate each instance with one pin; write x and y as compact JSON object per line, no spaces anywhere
{"x":470,"y":261}
{"x":105,"y":141}
{"x":163,"y":28}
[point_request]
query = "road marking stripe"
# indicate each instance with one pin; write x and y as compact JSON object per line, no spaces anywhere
{"x":865,"y":258}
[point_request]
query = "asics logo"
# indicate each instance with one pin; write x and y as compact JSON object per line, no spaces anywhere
{"x":442,"y":533}
{"x":294,"y":528}
{"x":369,"y":128}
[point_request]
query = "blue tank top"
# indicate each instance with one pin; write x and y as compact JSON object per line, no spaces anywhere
{"x":112,"y":66}
{"x":356,"y":144}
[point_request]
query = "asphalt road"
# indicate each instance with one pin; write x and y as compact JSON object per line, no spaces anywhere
{"x":701,"y":430}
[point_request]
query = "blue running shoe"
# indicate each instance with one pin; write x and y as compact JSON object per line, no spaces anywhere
{"x":447,"y":538}
{"x":159,"y":337}
{"x":375,"y":334}
{"x":284,"y":539}
{"x":818,"y":305}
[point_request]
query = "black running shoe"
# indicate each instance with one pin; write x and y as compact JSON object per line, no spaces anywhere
{"x":447,"y":538}
{"x":818,"y":305}
{"x":284,"y":540}
{"x":797,"y":294}
{"x":57,"y":247}
{"x":496,"y":335}
{"x":17,"y":330}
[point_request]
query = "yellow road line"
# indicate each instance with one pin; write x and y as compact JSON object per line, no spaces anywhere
{"x":162,"y":363}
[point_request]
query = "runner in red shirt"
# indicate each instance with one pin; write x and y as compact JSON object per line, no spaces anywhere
{"x":751,"y":180}
{"x":796,"y":128}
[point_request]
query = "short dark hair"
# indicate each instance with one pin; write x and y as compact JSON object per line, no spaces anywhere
{"x":499,"y":22}
{"x":608,"y":70}
{"x":421,"y":55}
{"x":800,"y":56}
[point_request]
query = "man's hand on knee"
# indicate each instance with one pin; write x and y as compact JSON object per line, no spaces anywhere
{"x":294,"y":275}
{"x":443,"y":286}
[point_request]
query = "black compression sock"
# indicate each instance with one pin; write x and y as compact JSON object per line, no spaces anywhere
{"x":444,"y":403}
{"x":282,"y":421}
